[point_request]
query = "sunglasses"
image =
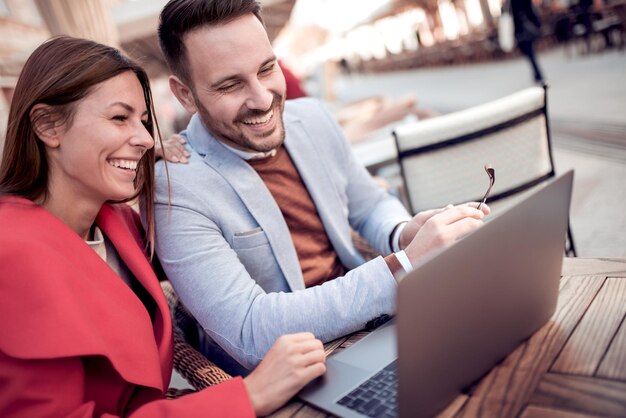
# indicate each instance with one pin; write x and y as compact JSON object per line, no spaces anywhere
{"x":491,"y":172}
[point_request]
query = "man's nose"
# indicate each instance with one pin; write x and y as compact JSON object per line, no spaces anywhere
{"x":260,"y":97}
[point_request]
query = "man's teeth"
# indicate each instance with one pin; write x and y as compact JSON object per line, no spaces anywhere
{"x":127,"y":164}
{"x":259,"y":120}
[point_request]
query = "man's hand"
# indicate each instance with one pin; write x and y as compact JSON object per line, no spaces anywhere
{"x":173,"y":150}
{"x":292,"y":362}
{"x":440,"y":228}
{"x":415,"y":224}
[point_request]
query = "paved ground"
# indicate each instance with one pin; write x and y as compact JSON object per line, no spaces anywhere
{"x":587,"y":107}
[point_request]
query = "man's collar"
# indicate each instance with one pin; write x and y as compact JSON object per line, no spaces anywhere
{"x":246,"y":155}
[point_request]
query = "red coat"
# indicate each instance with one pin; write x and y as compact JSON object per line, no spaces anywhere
{"x":74,"y":338}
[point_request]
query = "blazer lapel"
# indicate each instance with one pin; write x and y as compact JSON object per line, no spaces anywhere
{"x":309,"y":162}
{"x":255,"y":196}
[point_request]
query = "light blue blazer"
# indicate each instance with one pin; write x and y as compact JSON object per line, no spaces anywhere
{"x":226,"y":248}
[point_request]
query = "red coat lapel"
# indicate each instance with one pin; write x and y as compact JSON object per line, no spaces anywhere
{"x":120,"y":224}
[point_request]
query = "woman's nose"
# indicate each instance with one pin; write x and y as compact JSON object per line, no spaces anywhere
{"x":142,"y":138}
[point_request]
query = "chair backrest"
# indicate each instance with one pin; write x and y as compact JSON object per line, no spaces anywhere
{"x":442,"y":158}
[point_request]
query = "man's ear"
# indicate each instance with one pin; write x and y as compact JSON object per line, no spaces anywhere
{"x":183,"y":94}
{"x":46,"y":124}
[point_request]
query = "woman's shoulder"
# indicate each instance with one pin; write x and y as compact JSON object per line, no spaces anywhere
{"x":22,"y":219}
{"x":32,"y":238}
{"x":13,"y":206}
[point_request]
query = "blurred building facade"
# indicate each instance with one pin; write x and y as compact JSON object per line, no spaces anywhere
{"x":128,"y":24}
{"x":310,"y":36}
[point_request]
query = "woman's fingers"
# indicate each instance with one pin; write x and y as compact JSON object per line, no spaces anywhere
{"x":293,"y":361}
{"x":174,"y":150}
{"x":300,"y":336}
{"x":179,"y":138}
{"x":312,"y":356}
{"x":312,"y":371}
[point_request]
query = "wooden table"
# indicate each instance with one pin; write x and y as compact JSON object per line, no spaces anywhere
{"x":573,"y":367}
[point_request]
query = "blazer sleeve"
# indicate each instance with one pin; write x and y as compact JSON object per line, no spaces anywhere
{"x":55,"y":387}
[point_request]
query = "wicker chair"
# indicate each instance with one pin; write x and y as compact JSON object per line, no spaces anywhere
{"x":189,"y":362}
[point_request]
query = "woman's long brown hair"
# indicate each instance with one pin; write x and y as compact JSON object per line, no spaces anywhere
{"x":59,"y":73}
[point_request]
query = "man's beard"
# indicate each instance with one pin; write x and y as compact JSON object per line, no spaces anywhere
{"x":239,"y":138}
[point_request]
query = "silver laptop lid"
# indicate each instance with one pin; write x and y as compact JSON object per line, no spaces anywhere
{"x":468,"y":307}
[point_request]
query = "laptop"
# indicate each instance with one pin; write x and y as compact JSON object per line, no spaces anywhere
{"x":458,"y":314}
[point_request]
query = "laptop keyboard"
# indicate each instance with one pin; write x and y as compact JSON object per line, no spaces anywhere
{"x":376,"y":397}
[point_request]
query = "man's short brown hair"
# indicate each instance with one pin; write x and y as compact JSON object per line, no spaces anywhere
{"x":180,"y":17}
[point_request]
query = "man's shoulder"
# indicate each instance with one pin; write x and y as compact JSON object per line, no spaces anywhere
{"x":183,"y":172}
{"x":313,"y":117}
{"x":304,"y":108}
{"x":200,"y":178}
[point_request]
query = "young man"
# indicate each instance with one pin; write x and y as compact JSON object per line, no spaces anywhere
{"x":257,"y":237}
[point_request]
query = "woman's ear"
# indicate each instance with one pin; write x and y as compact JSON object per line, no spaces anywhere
{"x":46,"y":124}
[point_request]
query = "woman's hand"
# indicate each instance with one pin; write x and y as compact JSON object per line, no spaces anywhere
{"x":292,"y":362}
{"x":173,"y":150}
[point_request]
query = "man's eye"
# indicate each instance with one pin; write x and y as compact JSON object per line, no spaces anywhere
{"x":227,"y":87}
{"x":267,"y":70}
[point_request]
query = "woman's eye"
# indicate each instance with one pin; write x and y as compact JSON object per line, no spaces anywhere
{"x":120,"y":118}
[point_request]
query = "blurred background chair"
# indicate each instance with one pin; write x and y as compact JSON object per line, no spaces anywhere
{"x":441,"y":159}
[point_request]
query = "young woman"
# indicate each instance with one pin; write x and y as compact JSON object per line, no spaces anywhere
{"x":84,"y":326}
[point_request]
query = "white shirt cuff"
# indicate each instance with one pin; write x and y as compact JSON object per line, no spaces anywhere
{"x":395,"y":240}
{"x":404,"y":261}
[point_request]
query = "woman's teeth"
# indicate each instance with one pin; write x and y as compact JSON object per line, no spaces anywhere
{"x":127,"y":164}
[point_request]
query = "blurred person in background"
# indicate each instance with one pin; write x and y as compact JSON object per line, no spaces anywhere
{"x":584,"y":17}
{"x":527,"y":30}
{"x":259,"y":223}
{"x":293,"y":84}
{"x":85,"y":328}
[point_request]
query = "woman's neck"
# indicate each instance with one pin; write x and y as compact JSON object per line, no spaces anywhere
{"x":78,"y":214}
